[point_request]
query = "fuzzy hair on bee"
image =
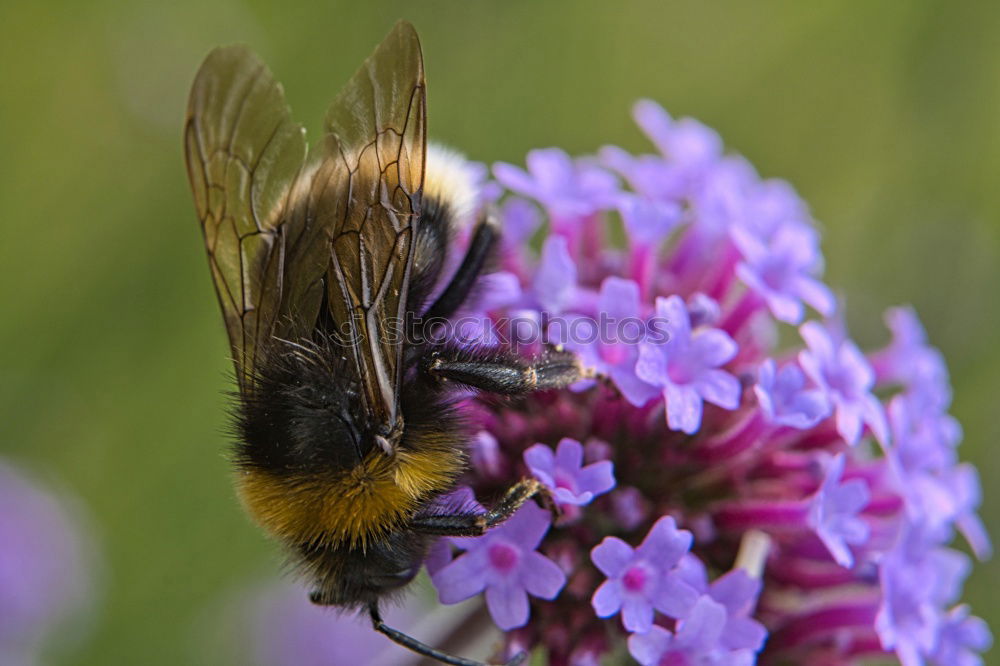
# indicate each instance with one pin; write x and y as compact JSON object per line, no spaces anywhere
{"x":331,"y":268}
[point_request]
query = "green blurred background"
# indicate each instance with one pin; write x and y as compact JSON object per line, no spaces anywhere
{"x":884,"y":115}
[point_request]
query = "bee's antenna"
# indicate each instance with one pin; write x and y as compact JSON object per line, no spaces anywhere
{"x":413,"y":644}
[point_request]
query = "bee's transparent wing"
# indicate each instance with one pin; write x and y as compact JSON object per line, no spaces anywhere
{"x":366,"y":191}
{"x":243,"y":155}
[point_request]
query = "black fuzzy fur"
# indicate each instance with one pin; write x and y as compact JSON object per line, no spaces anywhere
{"x":300,"y":413}
{"x":301,"y":416}
{"x":430,"y":249}
{"x":303,"y":419}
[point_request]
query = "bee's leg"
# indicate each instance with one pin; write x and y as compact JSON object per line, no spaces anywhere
{"x":502,"y":372}
{"x":476,"y":524}
{"x":413,"y":644}
{"x":484,"y":238}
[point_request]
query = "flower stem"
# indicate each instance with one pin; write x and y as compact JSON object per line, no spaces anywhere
{"x":774,"y":515}
{"x":824,"y":623}
{"x":748,"y":304}
{"x":752,"y":556}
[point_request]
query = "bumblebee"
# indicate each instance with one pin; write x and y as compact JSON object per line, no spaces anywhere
{"x":330,"y":269}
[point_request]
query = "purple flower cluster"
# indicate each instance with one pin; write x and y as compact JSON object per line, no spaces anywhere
{"x":275,"y":624}
{"x":726,"y":497}
{"x":44,"y":568}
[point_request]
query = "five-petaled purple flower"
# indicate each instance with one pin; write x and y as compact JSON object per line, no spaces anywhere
{"x":918,"y":578}
{"x":686,"y":142}
{"x":961,"y":638}
{"x":505,"y":563}
{"x":911,"y":362}
{"x":648,"y":221}
{"x":780,"y":271}
{"x":645,"y":578}
{"x":565,"y":474}
{"x":783,"y":396}
{"x":699,"y":640}
{"x":567,"y":188}
{"x":738,"y":592}
{"x":833,"y":512}
{"x":612,"y":352}
{"x":686,"y":366}
{"x":841,"y":370}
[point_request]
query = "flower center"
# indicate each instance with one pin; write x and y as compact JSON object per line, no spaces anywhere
{"x":674,"y":659}
{"x":681,"y":371}
{"x":503,"y":556}
{"x":842,"y":382}
{"x":615,"y":354}
{"x":774,"y":275}
{"x":634,"y":579}
{"x":564,"y":481}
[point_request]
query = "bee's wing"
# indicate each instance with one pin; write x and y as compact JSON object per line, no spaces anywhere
{"x":366,"y":191}
{"x":243,"y":156}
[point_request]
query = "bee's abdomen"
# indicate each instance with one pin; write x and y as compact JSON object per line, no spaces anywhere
{"x":355,"y":577}
{"x":353,"y":508}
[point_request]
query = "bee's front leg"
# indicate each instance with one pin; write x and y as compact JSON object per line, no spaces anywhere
{"x":476,"y":524}
{"x":501,"y":372}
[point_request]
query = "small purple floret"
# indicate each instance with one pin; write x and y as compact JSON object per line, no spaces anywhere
{"x":833,"y":512}
{"x":613,"y":352}
{"x":840,"y":369}
{"x":686,"y":366}
{"x":918,"y":578}
{"x":565,"y":474}
{"x":505,"y":564}
{"x":780,"y":271}
{"x":643,"y":579}
{"x":938,"y":491}
{"x":699,"y":639}
{"x":961,"y":639}
{"x":648,"y":221}
{"x":685,"y":142}
{"x":783,"y":396}
{"x":911,"y":362}
{"x":738,"y":592}
{"x":568,"y":189}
